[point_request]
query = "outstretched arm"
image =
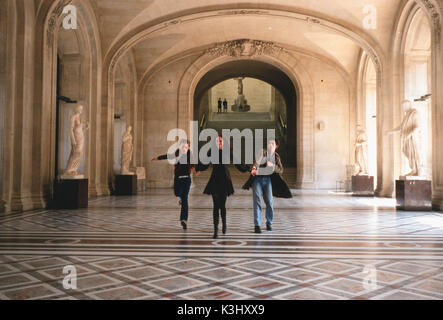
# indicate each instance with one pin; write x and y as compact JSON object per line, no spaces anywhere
{"x":395,"y":130}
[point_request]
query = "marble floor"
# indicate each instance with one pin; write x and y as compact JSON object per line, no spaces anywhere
{"x":324,"y":246}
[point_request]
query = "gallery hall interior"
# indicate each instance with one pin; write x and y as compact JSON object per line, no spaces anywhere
{"x":221,"y":150}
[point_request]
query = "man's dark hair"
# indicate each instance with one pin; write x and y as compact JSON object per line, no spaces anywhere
{"x":276,"y":141}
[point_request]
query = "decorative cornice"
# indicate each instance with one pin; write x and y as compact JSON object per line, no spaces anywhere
{"x":52,"y":21}
{"x":435,"y":16}
{"x":244,"y":48}
{"x":242,"y":12}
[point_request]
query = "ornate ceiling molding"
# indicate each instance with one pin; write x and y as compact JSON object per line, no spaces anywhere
{"x":244,"y":48}
{"x":242,"y":12}
{"x":435,"y":16}
{"x":53,"y":19}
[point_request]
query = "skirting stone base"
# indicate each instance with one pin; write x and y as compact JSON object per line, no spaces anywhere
{"x":125,"y":185}
{"x":413,"y":195}
{"x":363,"y":186}
{"x":141,"y":185}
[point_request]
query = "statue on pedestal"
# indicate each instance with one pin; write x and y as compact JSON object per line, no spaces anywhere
{"x":408,"y":133}
{"x":77,"y":144}
{"x":241,"y":104}
{"x":361,"y":152}
{"x":127,"y":151}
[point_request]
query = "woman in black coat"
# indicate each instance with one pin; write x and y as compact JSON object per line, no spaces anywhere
{"x":220,"y":185}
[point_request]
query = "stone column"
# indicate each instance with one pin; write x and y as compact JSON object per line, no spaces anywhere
{"x":437,"y":113}
{"x":385,"y":153}
{"x":3,"y":84}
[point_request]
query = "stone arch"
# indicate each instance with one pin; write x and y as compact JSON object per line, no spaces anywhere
{"x":366,"y":94}
{"x":434,"y":12}
{"x":305,"y":104}
{"x":49,"y":17}
{"x":125,"y":42}
{"x":125,"y":89}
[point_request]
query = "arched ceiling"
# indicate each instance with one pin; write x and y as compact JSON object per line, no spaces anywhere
{"x":119,"y":18}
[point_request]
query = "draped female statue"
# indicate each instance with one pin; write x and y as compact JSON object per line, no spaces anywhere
{"x":127,"y":151}
{"x":408,"y":134}
{"x":361,"y":152}
{"x":77,"y":143}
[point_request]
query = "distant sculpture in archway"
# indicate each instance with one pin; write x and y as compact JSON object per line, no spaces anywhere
{"x":241,"y":104}
{"x":408,"y":133}
{"x":361,"y":152}
{"x":127,"y":151}
{"x":77,"y":144}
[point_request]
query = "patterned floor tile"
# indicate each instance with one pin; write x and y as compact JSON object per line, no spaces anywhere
{"x":121,"y":293}
{"x":261,"y":285}
{"x":95,"y":281}
{"x":16,"y":280}
{"x":187,"y":265}
{"x":45,"y":263}
{"x":260,"y":266}
{"x":401,"y":295}
{"x":429,"y":286}
{"x":333,"y":267}
{"x":350,"y":287}
{"x":301,"y":275}
{"x":221,"y":274}
{"x":309,"y":294}
{"x":58,"y":273}
{"x":115,"y":264}
{"x":175,"y":284}
{"x":84,"y":259}
{"x":41,"y":291}
{"x":408,"y":268}
{"x":6,"y":268}
{"x":216,"y":293}
{"x":143,"y":273}
{"x":381,"y":276}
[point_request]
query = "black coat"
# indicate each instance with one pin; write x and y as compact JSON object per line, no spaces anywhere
{"x":280,"y":188}
{"x":220,"y":181}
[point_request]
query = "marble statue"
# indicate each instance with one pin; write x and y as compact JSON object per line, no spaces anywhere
{"x":127,"y":151}
{"x":361,"y":152}
{"x":241,"y":104}
{"x":408,"y":133}
{"x":77,"y":144}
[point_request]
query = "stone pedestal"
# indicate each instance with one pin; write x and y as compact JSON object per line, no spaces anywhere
{"x":363,"y":186}
{"x":71,"y":193}
{"x":413,"y":194}
{"x":125,"y":184}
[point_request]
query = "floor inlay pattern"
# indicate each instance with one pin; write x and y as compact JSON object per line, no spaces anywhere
{"x":324,"y":246}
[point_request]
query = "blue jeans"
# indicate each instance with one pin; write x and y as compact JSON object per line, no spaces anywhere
{"x":181,"y":189}
{"x":262,"y":185}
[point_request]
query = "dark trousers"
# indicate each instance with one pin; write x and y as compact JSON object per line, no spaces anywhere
{"x":181,"y":189}
{"x":219,"y":209}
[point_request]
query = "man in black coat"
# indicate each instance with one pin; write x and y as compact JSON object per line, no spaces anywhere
{"x":219,"y":106}
{"x":266,"y":181}
{"x":225,"y":106}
